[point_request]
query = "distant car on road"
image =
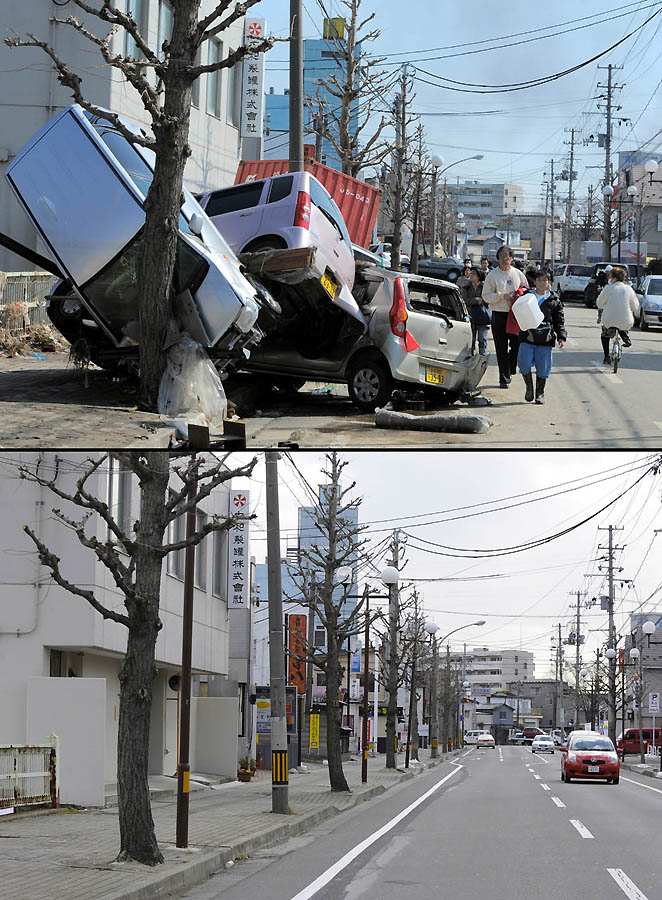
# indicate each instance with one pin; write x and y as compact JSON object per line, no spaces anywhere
{"x":383,"y":250}
{"x":598,"y":280}
{"x":570,"y":280}
{"x":471,"y":737}
{"x":448,"y":268}
{"x":650,"y":297}
{"x":517,"y":738}
{"x":589,"y":755}
{"x":485,"y":740}
{"x":542,"y":743}
{"x":530,"y":732}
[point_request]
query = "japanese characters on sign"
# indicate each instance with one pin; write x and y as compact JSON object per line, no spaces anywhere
{"x":238,"y":559}
{"x":252,"y":90}
{"x":296,"y":668}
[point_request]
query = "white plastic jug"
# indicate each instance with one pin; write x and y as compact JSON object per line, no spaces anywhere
{"x":527,"y":312}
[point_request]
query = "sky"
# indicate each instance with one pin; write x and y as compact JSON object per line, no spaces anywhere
{"x":522,"y":607}
{"x":530,"y":128}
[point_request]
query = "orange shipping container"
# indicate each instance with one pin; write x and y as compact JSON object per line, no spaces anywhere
{"x":358,"y":202}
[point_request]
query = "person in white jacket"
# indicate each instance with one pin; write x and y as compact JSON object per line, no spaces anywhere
{"x":619,"y":305}
{"x":499,"y":290}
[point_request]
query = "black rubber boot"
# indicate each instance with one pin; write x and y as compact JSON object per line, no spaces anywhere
{"x":540,"y":389}
{"x":528,"y":381}
{"x":605,"y":348}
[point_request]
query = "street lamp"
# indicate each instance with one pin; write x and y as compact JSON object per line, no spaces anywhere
{"x":478,"y":622}
{"x":650,"y":168}
{"x":607,"y":192}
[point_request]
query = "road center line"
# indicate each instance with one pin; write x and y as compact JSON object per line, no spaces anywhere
{"x":582,"y":829}
{"x":558,"y":802}
{"x":628,"y":887}
{"x":545,"y":787}
{"x":536,"y":776}
{"x":345,"y":860}
{"x":468,"y":752}
{"x":639,"y":784}
{"x":542,"y":759}
{"x":658,"y":424}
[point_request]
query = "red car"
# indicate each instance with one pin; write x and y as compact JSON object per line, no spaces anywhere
{"x":589,"y":755}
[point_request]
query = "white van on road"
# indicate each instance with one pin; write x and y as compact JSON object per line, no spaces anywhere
{"x":471,"y":737}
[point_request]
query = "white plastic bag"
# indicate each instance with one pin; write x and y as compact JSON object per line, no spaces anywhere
{"x":191,"y":391}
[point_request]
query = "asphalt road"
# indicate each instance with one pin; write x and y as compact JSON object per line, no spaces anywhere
{"x":43,"y":403}
{"x":495,"y":823}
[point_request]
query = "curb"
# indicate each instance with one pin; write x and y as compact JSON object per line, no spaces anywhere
{"x":643,"y":769}
{"x":194,"y":873}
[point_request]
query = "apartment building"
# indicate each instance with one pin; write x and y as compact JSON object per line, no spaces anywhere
{"x":489,"y":671}
{"x":482,"y":203}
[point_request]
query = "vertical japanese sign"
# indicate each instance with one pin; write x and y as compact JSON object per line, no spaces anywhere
{"x":252,"y":86}
{"x":296,"y":670}
{"x":314,"y":742}
{"x":238,"y":563}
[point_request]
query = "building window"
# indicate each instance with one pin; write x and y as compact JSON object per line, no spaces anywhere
{"x":200,"y":568}
{"x":242,"y":710}
{"x":214,"y":54}
{"x":234,"y":95}
{"x":137,"y":9}
{"x":119,"y":495}
{"x":220,"y":551}
{"x":195,"y":90}
{"x":321,"y":679}
{"x":320,"y":637}
{"x":55,"y":664}
{"x":175,"y":559}
{"x":165,"y":23}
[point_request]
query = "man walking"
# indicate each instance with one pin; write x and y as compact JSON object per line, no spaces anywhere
{"x":499,"y":289}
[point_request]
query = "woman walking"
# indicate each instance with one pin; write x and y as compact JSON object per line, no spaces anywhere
{"x":479,"y":312}
{"x":499,"y":290}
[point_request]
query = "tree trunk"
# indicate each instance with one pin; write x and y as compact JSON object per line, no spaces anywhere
{"x":137,"y":838}
{"x":161,"y":228}
{"x":333,"y":717}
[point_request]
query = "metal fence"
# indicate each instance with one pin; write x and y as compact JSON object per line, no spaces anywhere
{"x":28,"y":774}
{"x":22,"y":299}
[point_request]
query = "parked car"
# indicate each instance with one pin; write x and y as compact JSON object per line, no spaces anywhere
{"x":470,"y":737}
{"x":650,"y":297}
{"x":558,"y":736}
{"x":448,"y":268}
{"x":286,"y":212}
{"x":485,"y":741}
{"x":517,"y":738}
{"x":417,"y":335}
{"x":361,"y":255}
{"x":570,"y":280}
{"x":632,"y":739}
{"x":530,"y":732}
{"x":384,"y":251}
{"x":597,"y":280}
{"x":83,"y":186}
{"x":589,"y":755}
{"x":542,"y":743}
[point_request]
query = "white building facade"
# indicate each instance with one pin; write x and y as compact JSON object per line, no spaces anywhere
{"x":60,"y":659}
{"x":32,"y":95}
{"x":489,"y":671}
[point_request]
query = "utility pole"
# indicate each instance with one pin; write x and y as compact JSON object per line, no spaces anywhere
{"x":447,"y":704}
{"x":400,"y":109}
{"x":612,"y":630}
{"x":392,"y":711}
{"x":560,"y":688}
{"x":366,"y":673}
{"x":551,"y":203}
{"x":279,"y":761}
{"x":434,"y":702}
{"x":296,"y":86}
{"x":610,"y":87}
{"x":183,"y":765}
{"x":577,"y":646}
{"x":568,"y":209}
{"x":412,"y":688}
{"x":589,"y":214}
{"x":544,"y":229}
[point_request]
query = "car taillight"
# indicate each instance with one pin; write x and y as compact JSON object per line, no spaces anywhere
{"x":302,"y":211}
{"x":398,"y":316}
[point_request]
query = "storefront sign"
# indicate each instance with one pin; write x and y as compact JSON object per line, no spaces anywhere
{"x":252,"y":87}
{"x":314,"y":742}
{"x":238,"y":553}
{"x":296,"y":666}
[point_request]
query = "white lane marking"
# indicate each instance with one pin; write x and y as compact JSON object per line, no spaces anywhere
{"x":658,"y":424}
{"x":628,"y":887}
{"x":542,"y":759}
{"x":468,"y":751}
{"x":558,"y":802}
{"x":582,"y":829}
{"x":536,"y":776}
{"x":545,"y":787}
{"x":345,"y":860}
{"x":639,"y":784}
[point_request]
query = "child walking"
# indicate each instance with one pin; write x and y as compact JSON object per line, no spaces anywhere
{"x":536,"y":344}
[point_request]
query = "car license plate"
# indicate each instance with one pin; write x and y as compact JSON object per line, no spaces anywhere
{"x":329,"y":285}
{"x":593,"y":769}
{"x":434,"y":375}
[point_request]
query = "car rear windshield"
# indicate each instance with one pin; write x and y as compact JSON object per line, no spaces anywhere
{"x":243,"y":196}
{"x":579,"y":270}
{"x":435,"y":300}
{"x":327,"y":206}
{"x":654,"y":287}
{"x":592,"y":744}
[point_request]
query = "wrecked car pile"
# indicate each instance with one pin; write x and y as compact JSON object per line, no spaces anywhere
{"x":279,"y":295}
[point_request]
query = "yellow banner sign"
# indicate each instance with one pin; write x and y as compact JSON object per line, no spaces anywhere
{"x":314,"y":743}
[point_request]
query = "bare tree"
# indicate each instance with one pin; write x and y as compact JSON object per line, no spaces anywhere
{"x":357,"y":87}
{"x":134,"y":560}
{"x":166,"y":97}
{"x":400,"y":193}
{"x":327,"y":597}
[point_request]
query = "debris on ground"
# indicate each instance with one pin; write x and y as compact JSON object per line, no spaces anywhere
{"x":191,"y":391}
{"x":446,"y":420}
{"x":30,"y":341}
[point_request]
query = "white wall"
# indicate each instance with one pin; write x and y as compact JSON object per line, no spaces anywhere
{"x":214,"y":725}
{"x":74,"y":710}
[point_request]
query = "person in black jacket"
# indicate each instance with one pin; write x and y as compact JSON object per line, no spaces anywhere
{"x":536,"y":343}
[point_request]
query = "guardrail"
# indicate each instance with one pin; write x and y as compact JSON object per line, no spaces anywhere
{"x":22,"y":300}
{"x":28,"y":775}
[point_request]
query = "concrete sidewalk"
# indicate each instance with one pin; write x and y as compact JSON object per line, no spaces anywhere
{"x":69,"y":854}
{"x":651,"y":767}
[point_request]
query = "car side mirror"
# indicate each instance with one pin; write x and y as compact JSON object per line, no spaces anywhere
{"x":563,"y":748}
{"x":195,"y":223}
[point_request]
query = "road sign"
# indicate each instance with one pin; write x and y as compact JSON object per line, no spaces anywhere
{"x":653,"y":702}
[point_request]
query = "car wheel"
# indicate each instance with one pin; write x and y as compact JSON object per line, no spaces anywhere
{"x":267,"y":243}
{"x":643,"y":324}
{"x":66,"y":314}
{"x":369,"y":384}
{"x":453,"y":275}
{"x":615,"y":780}
{"x":532,"y":750}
